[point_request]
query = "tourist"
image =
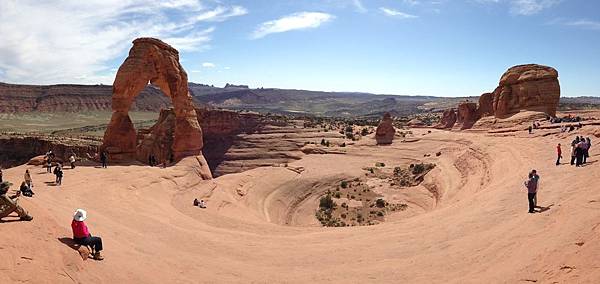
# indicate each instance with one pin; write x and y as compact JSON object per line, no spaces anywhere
{"x":72,"y":161}
{"x":49,"y":157}
{"x":530,"y":129}
{"x":558,"y":154}
{"x":531,"y":186}
{"x":9,"y":204}
{"x":200,"y":203}
{"x":82,"y":236}
{"x":59,"y":174}
{"x":573,"y":150}
{"x":26,"y":190}
{"x":536,"y":178}
{"x":152,"y":160}
{"x":104,"y":159}
{"x":579,"y":152}
{"x":28,"y":179}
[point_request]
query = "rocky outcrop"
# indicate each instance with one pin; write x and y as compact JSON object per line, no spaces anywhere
{"x":72,"y":98}
{"x":527,"y":87}
{"x":152,"y":61}
{"x":467,"y":115}
{"x":385,"y":130}
{"x":486,"y":105}
{"x":17,"y":149}
{"x":448,"y":119}
{"x":415,"y":122}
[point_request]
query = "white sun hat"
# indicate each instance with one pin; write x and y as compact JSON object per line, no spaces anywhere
{"x":79,"y":215}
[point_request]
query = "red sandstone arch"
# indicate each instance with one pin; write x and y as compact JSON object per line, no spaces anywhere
{"x":152,"y":61}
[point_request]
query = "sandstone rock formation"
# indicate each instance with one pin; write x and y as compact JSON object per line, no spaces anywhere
{"x":527,"y":87}
{"x":152,"y":61}
{"x":467,"y":115}
{"x":385,"y":130}
{"x":448,"y":119}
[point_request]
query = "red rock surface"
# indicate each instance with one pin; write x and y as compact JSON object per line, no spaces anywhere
{"x":486,"y":105}
{"x":152,"y":61}
{"x":448,"y":119}
{"x":385,"y":130}
{"x":527,"y":87}
{"x":467,"y":115}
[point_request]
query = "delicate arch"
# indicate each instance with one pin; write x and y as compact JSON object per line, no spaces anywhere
{"x":152,"y":61}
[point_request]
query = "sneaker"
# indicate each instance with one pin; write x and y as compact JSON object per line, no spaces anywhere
{"x":26,"y":218}
{"x":97,"y":256}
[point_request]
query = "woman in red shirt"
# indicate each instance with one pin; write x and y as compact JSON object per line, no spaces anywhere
{"x":82,"y":236}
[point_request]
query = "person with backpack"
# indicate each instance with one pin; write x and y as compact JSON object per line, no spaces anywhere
{"x":82,"y":236}
{"x":26,"y":190}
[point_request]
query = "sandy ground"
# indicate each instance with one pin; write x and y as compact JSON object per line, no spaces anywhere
{"x":466,"y":223}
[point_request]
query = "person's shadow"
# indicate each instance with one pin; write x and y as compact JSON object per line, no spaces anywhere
{"x":71,"y":243}
{"x":50,"y":183}
{"x":543,"y":209}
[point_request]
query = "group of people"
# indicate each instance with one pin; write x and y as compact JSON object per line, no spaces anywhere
{"x":580,"y":150}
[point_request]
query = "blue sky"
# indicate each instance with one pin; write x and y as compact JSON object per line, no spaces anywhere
{"x":404,"y":47}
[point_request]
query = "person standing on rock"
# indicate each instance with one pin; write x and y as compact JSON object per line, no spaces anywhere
{"x":9,"y":204}
{"x":573,"y":150}
{"x":104,"y":159}
{"x":579,"y":153}
{"x":531,"y":185}
{"x":28,"y":179}
{"x":558,"y":154}
{"x":59,"y":174}
{"x":82,"y":236}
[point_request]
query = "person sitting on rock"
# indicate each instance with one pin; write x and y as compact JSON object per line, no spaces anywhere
{"x":28,"y":179}
{"x":200,"y":203}
{"x":9,"y":204}
{"x":82,"y":236}
{"x":26,"y":190}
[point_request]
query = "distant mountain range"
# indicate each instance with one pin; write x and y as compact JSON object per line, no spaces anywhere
{"x":78,"y":98}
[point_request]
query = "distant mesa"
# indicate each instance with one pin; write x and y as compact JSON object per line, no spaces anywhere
{"x":236,"y":86}
{"x":152,"y":61}
{"x":528,"y":87}
{"x":385,"y":130}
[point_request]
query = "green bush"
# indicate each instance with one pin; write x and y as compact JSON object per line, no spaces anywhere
{"x":326,"y":202}
{"x":380,"y":203}
{"x":418,"y":169}
{"x":380,"y":164}
{"x":344,"y":184}
{"x":364,"y":132}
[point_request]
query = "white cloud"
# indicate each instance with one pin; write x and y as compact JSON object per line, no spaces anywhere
{"x":227,"y":68}
{"x":208,"y":65}
{"x":395,"y":13}
{"x":359,"y":6}
{"x":586,"y":24}
{"x":412,"y":2}
{"x":530,"y":7}
{"x":524,"y":7}
{"x":79,"y":41}
{"x":296,"y":21}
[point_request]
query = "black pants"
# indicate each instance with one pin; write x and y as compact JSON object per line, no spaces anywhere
{"x":579,"y":161}
{"x":104,"y":164}
{"x":558,"y":160}
{"x":59,"y":180}
{"x":573,"y":160}
{"x":72,"y":165}
{"x":94,"y":242}
{"x":531,"y":198}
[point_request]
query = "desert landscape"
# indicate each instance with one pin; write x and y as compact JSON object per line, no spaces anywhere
{"x":191,"y":183}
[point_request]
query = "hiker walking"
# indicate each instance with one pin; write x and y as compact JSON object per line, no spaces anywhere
{"x":558,"y":154}
{"x":531,"y":185}
{"x":9,"y":204}
{"x":82,"y":236}
{"x":28,"y":179}
{"x":72,"y":161}
{"x":104,"y":159}
{"x":58,"y":172}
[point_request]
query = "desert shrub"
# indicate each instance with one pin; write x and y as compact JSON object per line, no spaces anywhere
{"x":323,"y":142}
{"x":343,"y":215}
{"x":364,"y":132}
{"x":343,"y":144}
{"x":397,"y":171}
{"x":349,"y":129}
{"x":380,"y":214}
{"x":327,"y":143}
{"x":380,"y":203}
{"x":337,"y":194}
{"x":380,"y":164}
{"x":326,"y":202}
{"x":350,"y":135}
{"x":344,"y":184}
